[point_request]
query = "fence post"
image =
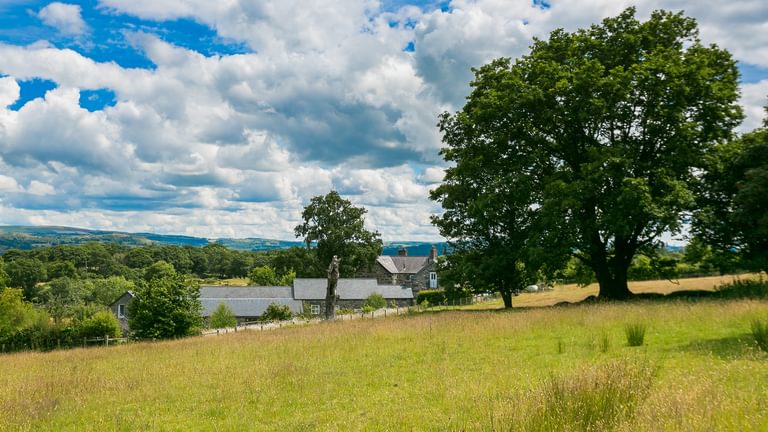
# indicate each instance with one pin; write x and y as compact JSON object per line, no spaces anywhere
{"x":106,"y":340}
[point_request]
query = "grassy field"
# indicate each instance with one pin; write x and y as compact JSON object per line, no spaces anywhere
{"x":566,"y":368}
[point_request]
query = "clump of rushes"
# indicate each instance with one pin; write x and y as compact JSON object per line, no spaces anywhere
{"x":635,"y":333}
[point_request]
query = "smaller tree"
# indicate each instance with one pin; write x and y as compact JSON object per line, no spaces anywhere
{"x":4,"y":279}
{"x":15,"y":313}
{"x":337,"y":228}
{"x":376,"y":301}
{"x":25,"y":273}
{"x":222,"y":317}
{"x":277,"y":312}
{"x":733,"y":209}
{"x":165,"y":306}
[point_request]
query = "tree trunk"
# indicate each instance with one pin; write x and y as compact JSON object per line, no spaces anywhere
{"x":506,"y":295}
{"x":613,"y":282}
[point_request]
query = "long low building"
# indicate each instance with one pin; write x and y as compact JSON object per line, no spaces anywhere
{"x":248,"y":303}
{"x":351,"y":293}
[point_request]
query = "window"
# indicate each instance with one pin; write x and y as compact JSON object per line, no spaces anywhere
{"x":315,"y":309}
{"x":121,"y":311}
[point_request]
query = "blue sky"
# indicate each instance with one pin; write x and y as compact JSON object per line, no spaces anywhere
{"x":222,"y":119}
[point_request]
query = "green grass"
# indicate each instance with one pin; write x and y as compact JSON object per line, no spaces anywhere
{"x":451,"y":370}
{"x":760,"y":333}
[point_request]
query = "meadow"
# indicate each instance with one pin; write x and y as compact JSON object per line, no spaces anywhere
{"x":539,"y":369}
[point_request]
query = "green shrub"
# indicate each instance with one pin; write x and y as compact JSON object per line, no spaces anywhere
{"x":635,"y":333}
{"x":222,"y":317}
{"x":368,"y":308}
{"x":745,"y":288}
{"x":345,"y":311}
{"x":375,"y":301}
{"x":760,"y":332}
{"x":277,"y":312}
{"x":102,"y":323}
{"x":433,"y":297}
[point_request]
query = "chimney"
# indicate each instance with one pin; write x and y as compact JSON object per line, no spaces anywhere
{"x":402,"y":252}
{"x":433,"y":253}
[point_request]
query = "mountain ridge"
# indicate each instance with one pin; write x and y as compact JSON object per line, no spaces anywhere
{"x":27,"y":237}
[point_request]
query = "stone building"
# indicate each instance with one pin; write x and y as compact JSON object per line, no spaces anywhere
{"x":351,"y":293}
{"x":414,"y":272}
{"x":247,"y":303}
{"x":120,"y":309}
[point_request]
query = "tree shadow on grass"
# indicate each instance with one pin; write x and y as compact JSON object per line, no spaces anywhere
{"x":727,"y":348}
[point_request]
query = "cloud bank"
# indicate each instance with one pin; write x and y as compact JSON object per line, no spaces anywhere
{"x":308,"y":97}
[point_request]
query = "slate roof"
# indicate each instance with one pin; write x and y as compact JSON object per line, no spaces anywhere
{"x":347,"y":289}
{"x":126,"y":293}
{"x":403,"y":264}
{"x":248,"y":301}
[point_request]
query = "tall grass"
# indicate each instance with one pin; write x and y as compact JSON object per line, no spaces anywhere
{"x":595,"y":398}
{"x":760,"y":333}
{"x":635,"y":333}
{"x":454,"y":370}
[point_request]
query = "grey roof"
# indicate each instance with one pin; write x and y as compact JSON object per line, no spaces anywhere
{"x":247,"y":307}
{"x":126,"y":293}
{"x":250,"y":301}
{"x":245,"y":292}
{"x":403,"y":264}
{"x":348,"y":289}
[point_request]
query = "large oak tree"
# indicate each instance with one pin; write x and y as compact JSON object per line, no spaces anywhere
{"x":591,"y":141}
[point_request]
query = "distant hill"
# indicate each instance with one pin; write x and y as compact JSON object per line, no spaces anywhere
{"x":29,"y":237}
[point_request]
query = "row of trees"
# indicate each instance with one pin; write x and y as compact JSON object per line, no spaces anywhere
{"x":592,"y":146}
{"x":63,"y":288}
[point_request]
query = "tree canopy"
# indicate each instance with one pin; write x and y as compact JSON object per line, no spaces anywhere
{"x":338,"y":228}
{"x":732,"y":215}
{"x":166,"y":305}
{"x":589,"y":144}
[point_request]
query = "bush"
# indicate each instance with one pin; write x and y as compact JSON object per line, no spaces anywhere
{"x":102,"y":323}
{"x":277,"y":312}
{"x":222,"y":317}
{"x":433,"y":297}
{"x":635,"y":333}
{"x":760,"y":332}
{"x":748,"y":288}
{"x":375,"y":301}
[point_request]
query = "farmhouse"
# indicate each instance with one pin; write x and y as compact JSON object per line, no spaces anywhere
{"x":414,"y":272}
{"x":351,"y":293}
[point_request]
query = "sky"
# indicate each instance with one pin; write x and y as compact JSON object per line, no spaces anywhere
{"x":224,"y":118}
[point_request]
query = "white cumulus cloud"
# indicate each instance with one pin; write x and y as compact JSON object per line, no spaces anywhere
{"x":64,"y":17}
